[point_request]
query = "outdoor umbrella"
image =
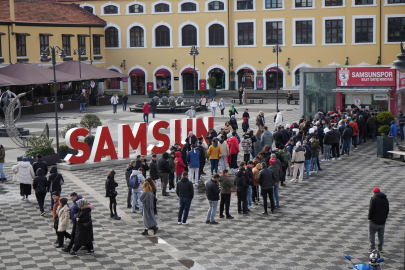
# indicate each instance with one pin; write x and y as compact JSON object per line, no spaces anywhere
{"x":88,"y":72}
{"x":33,"y":74}
{"x":7,"y":81}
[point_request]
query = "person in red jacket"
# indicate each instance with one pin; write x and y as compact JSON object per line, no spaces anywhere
{"x":355,"y":132}
{"x":180,"y":167}
{"x":146,"y":111}
{"x":233,"y":145}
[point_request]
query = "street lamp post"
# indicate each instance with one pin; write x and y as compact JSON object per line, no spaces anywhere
{"x":45,"y":57}
{"x":194,"y":52}
{"x":277,"y":49}
{"x":80,"y":52}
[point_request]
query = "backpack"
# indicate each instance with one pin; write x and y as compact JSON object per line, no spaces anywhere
{"x":133,"y":182}
{"x":41,"y":187}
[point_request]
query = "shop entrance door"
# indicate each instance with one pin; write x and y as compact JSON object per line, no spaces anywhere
{"x":188,"y":83}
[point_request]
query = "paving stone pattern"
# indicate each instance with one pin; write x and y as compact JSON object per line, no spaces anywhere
{"x":319,"y":221}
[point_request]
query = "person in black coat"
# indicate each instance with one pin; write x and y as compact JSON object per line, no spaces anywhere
{"x":128,"y":172}
{"x":110,"y":185}
{"x":55,"y":182}
{"x":39,"y":184}
{"x":184,"y":152}
{"x":185,"y":191}
{"x":164,"y":170}
{"x":141,"y":163}
{"x":154,"y":169}
{"x":40,"y":164}
{"x":377,"y":217}
{"x":278,"y":137}
{"x":267,"y":182}
{"x":211,"y":135}
{"x":242,"y":185}
{"x":153,"y":107}
{"x":212,"y":191}
{"x":84,"y":232}
{"x":124,"y":102}
{"x":362,"y":129}
{"x":191,"y":139}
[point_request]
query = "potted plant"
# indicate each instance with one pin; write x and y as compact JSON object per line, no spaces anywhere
{"x":212,"y":81}
{"x":41,"y":145}
{"x":64,"y":150}
{"x":90,"y":121}
{"x":384,"y":143}
{"x":233,"y":82}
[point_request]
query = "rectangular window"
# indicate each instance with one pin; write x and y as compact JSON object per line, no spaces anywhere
{"x":21,"y":46}
{"x":396,"y":29}
{"x":96,"y":45}
{"x":274,"y":33}
{"x":1,"y":53}
{"x":66,"y":45}
{"x":303,"y":32}
{"x":363,"y":2}
{"x":245,"y":34}
{"x":274,"y":4}
{"x":82,"y":43}
{"x":396,"y":1}
{"x":364,"y":30}
{"x":244,"y":4}
{"x":303,"y":3}
{"x":333,"y":31}
{"x":332,"y":3}
{"x":44,"y":43}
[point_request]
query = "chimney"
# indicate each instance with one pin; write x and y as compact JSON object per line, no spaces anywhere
{"x":12,"y":14}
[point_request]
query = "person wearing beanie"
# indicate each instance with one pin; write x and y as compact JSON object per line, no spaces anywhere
{"x":377,"y":217}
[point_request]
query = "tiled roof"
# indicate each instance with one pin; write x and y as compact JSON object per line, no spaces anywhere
{"x":48,"y":13}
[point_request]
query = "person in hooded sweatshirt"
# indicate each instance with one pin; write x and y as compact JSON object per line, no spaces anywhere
{"x":74,"y":210}
{"x":233,"y":123}
{"x":137,"y":192}
{"x":84,"y":232}
{"x":39,"y":185}
{"x":24,"y":174}
{"x":180,"y":167}
{"x":278,"y":120}
{"x":185,"y":191}
{"x":193,"y":159}
{"x":245,"y":125}
{"x":55,"y":182}
{"x":377,"y":217}
{"x":242,"y":185}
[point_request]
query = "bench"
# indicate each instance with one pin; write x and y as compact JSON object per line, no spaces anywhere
{"x":400,"y":153}
{"x":249,"y":100}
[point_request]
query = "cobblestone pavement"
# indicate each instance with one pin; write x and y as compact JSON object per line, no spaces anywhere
{"x":319,"y":221}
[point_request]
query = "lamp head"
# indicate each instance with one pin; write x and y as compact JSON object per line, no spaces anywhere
{"x":44,"y":56}
{"x":62,"y":54}
{"x":274,"y":50}
{"x":74,"y":52}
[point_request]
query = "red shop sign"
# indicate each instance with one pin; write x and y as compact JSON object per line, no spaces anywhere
{"x":365,"y":77}
{"x":400,"y":80}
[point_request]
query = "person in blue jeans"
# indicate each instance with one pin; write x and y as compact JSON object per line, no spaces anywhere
{"x":278,"y":174}
{"x":2,"y":156}
{"x":82,"y":101}
{"x":249,"y":171}
{"x":394,"y":131}
{"x":308,"y":156}
{"x":124,"y":102}
{"x":137,"y":192}
{"x":346,"y":136}
{"x":315,"y":152}
{"x":185,"y":191}
{"x":212,"y":191}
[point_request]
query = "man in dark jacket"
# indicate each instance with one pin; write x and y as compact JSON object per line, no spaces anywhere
{"x":225,"y":202}
{"x":128,"y":172}
{"x":335,"y":137}
{"x":211,"y":135}
{"x":39,"y":184}
{"x":362,"y":129}
{"x":308,"y":157}
{"x":141,"y":163}
{"x":40,"y":164}
{"x":242,"y":185}
{"x":164,"y":170}
{"x":372,"y":126}
{"x":212,"y":191}
{"x":154,"y":168}
{"x":346,"y":137}
{"x":201,"y":149}
{"x":153,"y":107}
{"x":82,"y":101}
{"x":278,"y":137}
{"x":185,"y":191}
{"x":74,"y":210}
{"x":55,"y":182}
{"x":377,"y":216}
{"x":184,"y":152}
{"x":267,"y":182}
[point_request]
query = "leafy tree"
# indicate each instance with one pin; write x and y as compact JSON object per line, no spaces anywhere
{"x":67,"y":127}
{"x":212,"y":82}
{"x":90,"y":121}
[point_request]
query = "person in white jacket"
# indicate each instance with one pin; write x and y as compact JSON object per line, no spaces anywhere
{"x":222,"y":106}
{"x":24,"y":174}
{"x":225,"y":151}
{"x":114,"y":102}
{"x":213,"y":105}
{"x":278,"y":121}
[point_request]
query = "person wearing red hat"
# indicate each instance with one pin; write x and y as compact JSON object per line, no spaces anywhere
{"x":377,"y":217}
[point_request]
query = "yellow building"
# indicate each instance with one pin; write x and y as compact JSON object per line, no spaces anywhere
{"x":151,"y":40}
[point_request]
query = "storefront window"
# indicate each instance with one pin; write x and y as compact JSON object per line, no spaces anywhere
{"x":163,"y":82}
{"x":318,"y":92}
{"x":366,"y":100}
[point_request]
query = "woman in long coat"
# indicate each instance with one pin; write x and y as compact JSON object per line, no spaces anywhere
{"x":24,"y":174}
{"x":147,"y":199}
{"x":84,"y":229}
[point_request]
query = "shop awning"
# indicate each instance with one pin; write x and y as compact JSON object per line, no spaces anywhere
{"x":2,"y":34}
{"x":274,"y":69}
{"x":246,"y":70}
{"x":22,"y":34}
{"x":34,"y":74}
{"x":137,"y":72}
{"x":98,"y":35}
{"x":68,"y":35}
{"x":162,"y":72}
{"x":189,"y":70}
{"x":83,"y":35}
{"x":7,"y":81}
{"x":45,"y":35}
{"x":88,"y":72}
{"x":359,"y":90}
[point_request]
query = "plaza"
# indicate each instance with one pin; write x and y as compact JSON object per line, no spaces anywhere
{"x":318,"y":222}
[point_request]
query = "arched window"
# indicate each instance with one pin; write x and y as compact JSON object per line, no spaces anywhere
{"x":136,"y":36}
{"x":135,"y":8}
{"x":111,"y":37}
{"x":162,"y":36}
{"x":189,"y":35}
{"x":188,"y":7}
{"x":111,"y":9}
{"x":162,"y":8}
{"x":216,"y":5}
{"x":89,"y":9}
{"x":216,"y":35}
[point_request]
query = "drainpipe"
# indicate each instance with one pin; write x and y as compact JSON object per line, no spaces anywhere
{"x":91,"y":56}
{"x":380,"y":34}
{"x":9,"y":45}
{"x":229,"y":50}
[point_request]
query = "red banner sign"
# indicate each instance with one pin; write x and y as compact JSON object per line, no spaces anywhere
{"x":365,"y":77}
{"x":203,"y":85}
{"x":400,"y":80}
{"x":150,"y":86}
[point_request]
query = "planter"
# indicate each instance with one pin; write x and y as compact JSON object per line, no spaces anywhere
{"x":233,"y":85}
{"x":63,"y":154}
{"x":51,"y":159}
{"x":384,"y":144}
{"x":31,"y":160}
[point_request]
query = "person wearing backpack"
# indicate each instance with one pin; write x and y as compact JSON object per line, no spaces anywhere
{"x":55,"y":182}
{"x":135,"y":182}
{"x":39,"y":184}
